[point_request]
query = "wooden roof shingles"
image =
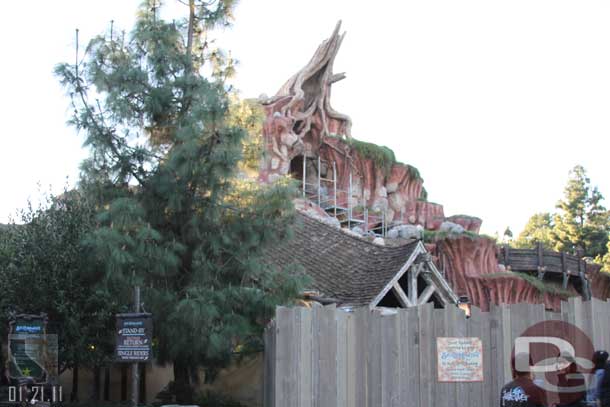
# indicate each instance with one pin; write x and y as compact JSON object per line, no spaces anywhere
{"x":341,"y":266}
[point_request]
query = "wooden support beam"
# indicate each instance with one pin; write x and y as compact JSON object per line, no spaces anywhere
{"x":425,"y":296}
{"x":402,"y":297}
{"x":540,"y":254}
{"x":541,"y":271}
{"x":564,"y":270}
{"x":413,"y":272}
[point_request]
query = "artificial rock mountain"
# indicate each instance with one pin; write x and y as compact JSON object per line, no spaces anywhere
{"x":300,"y":127}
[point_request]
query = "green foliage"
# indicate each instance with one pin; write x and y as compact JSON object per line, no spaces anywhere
{"x":415,"y":174}
{"x":423,"y":196}
{"x":45,"y":268}
{"x":174,"y":217}
{"x":382,"y":156}
{"x":249,"y":115}
{"x":582,"y":222}
{"x":581,"y":225}
{"x":431,"y":236}
{"x":539,"y":229}
{"x":605,"y":260}
{"x":541,"y":286}
{"x":213,"y":399}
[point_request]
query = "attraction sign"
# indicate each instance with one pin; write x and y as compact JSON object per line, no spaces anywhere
{"x":133,"y":337}
{"x":460,"y":359}
{"x":32,"y":352}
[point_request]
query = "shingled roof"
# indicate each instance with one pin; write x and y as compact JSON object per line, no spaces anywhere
{"x":347,"y":268}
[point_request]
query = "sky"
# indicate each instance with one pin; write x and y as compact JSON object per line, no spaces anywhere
{"x":494,"y":102}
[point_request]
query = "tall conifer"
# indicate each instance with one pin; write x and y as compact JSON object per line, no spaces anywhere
{"x":153,"y":108}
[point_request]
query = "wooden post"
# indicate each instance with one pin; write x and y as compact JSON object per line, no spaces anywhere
{"x":541,"y":268}
{"x":506,"y":255}
{"x":564,"y":270}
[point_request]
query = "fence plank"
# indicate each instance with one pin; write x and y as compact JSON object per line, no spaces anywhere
{"x":507,"y":343}
{"x":342,"y":364}
{"x":316,"y":315}
{"x":361,"y":322}
{"x":390,"y":369}
{"x":410,"y":328}
{"x":426,"y":346}
{"x":325,"y":357}
{"x":305,"y":340}
{"x":458,"y":322}
{"x":284,"y":339}
{"x":478,"y":327}
{"x":352,"y":367}
{"x":443,"y":391}
{"x":374,"y":360}
{"x":328,"y":356}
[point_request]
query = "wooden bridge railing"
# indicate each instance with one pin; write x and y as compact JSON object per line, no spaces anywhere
{"x":542,"y":261}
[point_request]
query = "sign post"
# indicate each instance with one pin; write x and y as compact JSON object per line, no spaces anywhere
{"x":134,"y":341}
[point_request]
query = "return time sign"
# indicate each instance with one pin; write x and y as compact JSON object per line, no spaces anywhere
{"x":133,"y":337}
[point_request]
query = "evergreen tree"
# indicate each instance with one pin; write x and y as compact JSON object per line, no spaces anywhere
{"x":153,"y":106}
{"x":582,"y":224}
{"x":539,"y":229}
{"x":43,"y":268}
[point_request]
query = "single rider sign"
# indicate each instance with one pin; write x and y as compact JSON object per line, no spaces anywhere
{"x":133,"y":337}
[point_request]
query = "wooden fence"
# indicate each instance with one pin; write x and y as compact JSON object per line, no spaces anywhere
{"x":326,"y":357}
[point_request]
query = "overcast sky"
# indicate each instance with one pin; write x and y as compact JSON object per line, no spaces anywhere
{"x":493,"y":101}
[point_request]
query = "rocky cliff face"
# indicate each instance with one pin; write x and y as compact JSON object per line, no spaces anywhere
{"x":471,"y":266}
{"x":600,"y":284}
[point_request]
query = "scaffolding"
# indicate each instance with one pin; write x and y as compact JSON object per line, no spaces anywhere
{"x":342,"y":204}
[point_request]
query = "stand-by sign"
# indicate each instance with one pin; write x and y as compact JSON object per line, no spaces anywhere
{"x":133,"y":337}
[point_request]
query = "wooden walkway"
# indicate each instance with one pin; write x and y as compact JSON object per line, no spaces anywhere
{"x":549,"y":264}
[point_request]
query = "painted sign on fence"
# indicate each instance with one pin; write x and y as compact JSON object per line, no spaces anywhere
{"x":133,"y":337}
{"x":460,"y":359}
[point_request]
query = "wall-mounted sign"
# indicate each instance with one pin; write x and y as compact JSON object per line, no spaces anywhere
{"x":133,"y":337}
{"x":459,"y":359}
{"x":32,"y":352}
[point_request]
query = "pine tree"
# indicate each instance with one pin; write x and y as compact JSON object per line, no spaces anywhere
{"x":153,"y":106}
{"x":539,"y":229}
{"x":582,"y":224}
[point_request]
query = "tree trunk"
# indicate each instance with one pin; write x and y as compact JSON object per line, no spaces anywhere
{"x":123,"y":381}
{"x":107,"y":383}
{"x":97,"y":382}
{"x":182,"y":383}
{"x":142,"y":383}
{"x":190,"y":34}
{"x":74,"y":395}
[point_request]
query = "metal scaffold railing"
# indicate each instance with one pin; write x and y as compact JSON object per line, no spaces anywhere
{"x":344,"y":205}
